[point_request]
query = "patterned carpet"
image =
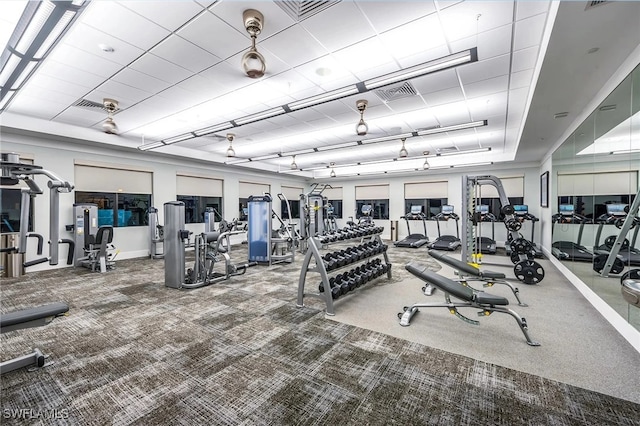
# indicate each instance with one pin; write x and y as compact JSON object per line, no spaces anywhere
{"x":132,"y":351}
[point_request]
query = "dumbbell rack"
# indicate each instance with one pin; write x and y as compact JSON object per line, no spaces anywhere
{"x":315,"y":245}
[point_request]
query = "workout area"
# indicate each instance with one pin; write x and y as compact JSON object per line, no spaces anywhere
{"x":346,"y":212}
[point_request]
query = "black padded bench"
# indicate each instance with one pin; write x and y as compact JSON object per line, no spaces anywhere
{"x":469,"y":298}
{"x":464,"y":270}
{"x":28,"y":318}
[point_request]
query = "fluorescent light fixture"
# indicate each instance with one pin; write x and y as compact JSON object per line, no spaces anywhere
{"x":387,"y":138}
{"x":259,"y":116}
{"x":625,"y":151}
{"x":466,"y":56}
{"x":217,"y":128}
{"x":179,"y":138}
{"x":486,"y":163}
{"x":468,"y":151}
{"x":40,"y":27}
{"x":151,"y":145}
{"x":337,"y":146}
{"x":324,"y":97}
{"x":302,"y":151}
{"x":444,"y":129}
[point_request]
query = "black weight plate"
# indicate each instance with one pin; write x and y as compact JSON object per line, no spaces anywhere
{"x":507,"y":210}
{"x":515,"y":257}
{"x":529,"y":271}
{"x":513,"y":224}
{"x":610,"y":241}
{"x":631,"y":274}
{"x":599,"y":261}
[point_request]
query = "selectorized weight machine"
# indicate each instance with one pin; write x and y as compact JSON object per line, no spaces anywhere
{"x":93,"y":244}
{"x":208,"y":249}
{"x":267,"y":245}
{"x":14,"y":172}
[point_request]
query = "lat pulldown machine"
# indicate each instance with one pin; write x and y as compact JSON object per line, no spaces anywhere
{"x":14,"y":172}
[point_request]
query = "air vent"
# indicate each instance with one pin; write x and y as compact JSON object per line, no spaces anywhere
{"x":592,"y":4}
{"x":300,"y":10}
{"x":87,"y":104}
{"x":399,"y":91}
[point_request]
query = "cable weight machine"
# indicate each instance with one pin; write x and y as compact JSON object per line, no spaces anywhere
{"x":526,"y":269}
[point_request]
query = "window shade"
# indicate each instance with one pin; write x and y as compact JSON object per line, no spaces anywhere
{"x":372,"y":192}
{"x":422,"y":190}
{"x":102,"y":179}
{"x":333,"y":193}
{"x":613,"y":183}
{"x":247,"y":189}
{"x":198,"y":186}
{"x":513,"y":187}
{"x":291,"y":192}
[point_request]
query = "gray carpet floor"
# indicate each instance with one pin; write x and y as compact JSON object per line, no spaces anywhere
{"x":132,"y":351}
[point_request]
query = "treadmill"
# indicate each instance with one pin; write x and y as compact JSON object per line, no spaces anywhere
{"x":414,"y":240}
{"x":568,"y":250}
{"x":486,"y":245}
{"x":616,"y":213}
{"x":446,"y":242}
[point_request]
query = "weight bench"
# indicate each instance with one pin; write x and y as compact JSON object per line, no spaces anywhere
{"x":465,"y":271}
{"x":487,"y":303}
{"x":29,"y":318}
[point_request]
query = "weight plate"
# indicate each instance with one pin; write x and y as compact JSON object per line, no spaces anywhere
{"x":599,"y":261}
{"x":529,"y":271}
{"x":631,"y":274}
{"x":610,"y":241}
{"x":617,"y":266}
{"x":513,"y":224}
{"x":515,"y":257}
{"x":507,"y":210}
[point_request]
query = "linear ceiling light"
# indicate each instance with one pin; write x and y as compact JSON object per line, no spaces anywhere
{"x":324,"y":97}
{"x":151,"y":145}
{"x":467,"y":151}
{"x":259,"y":116}
{"x":40,"y":27}
{"x":624,"y":151}
{"x":463,"y":126}
{"x":217,"y":128}
{"x":466,"y":56}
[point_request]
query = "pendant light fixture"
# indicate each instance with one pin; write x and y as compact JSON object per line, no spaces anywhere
{"x":362,"y":128}
{"x":333,"y":172}
{"x":253,"y":62}
{"x":109,"y":126}
{"x":294,"y":166}
{"x":426,"y":164}
{"x":403,"y":151}
{"x":230,"y":151}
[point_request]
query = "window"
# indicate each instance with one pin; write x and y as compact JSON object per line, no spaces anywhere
{"x":292,"y":194}
{"x":123,"y":196}
{"x":334,"y":197}
{"x":379,"y":208}
{"x":195,"y":206}
{"x":336,"y":205}
{"x":245,"y":190}
{"x":594,"y":206}
{"x":495,"y":207}
{"x":118,"y":209}
{"x":10,"y":215}
{"x":430,"y":206}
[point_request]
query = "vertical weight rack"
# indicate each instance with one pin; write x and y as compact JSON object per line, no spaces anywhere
{"x":361,"y":254}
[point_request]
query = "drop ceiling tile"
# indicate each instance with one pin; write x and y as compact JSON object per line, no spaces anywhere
{"x":84,"y":61}
{"x":521,"y":78}
{"x":130,"y":27}
{"x":471,"y":18}
{"x":361,"y":57}
{"x":121,"y":92}
{"x":436,"y":81}
{"x":66,"y":88}
{"x":289,"y":83}
{"x":70,"y":74}
{"x":140,"y":80}
{"x":489,"y":105}
{"x":305,"y":49}
{"x":160,"y":68}
{"x":492,"y":43}
{"x":441,"y":97}
{"x":529,"y":32}
{"x":82,"y":117}
{"x":326,"y":71}
{"x":156,"y":11}
{"x":483,"y":70}
{"x":391,"y":14}
{"x":184,"y":54}
{"x":406,"y":104}
{"x":345,"y":18}
{"x":87,"y":38}
{"x":487,"y":87}
{"x":525,"y":59}
{"x":452,"y":113}
{"x":415,"y":37}
{"x":214,"y":35}
{"x":48,"y":94}
{"x":425,"y":56}
{"x":525,"y":9}
{"x":34,"y":106}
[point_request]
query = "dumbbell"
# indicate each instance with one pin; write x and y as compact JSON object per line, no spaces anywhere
{"x":336,"y":291}
{"x":330,"y":261}
{"x":343,"y":282}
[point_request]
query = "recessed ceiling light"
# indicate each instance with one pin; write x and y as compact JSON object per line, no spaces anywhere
{"x":106,"y":48}
{"x":323,"y":71}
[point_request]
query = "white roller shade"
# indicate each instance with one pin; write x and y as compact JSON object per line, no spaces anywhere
{"x":198,"y":186}
{"x":333,"y":193}
{"x":372,"y":192}
{"x":513,"y":187}
{"x":614,"y":183}
{"x":291,"y":192}
{"x":247,"y":189}
{"x":102,"y":179}
{"x":422,"y":190}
